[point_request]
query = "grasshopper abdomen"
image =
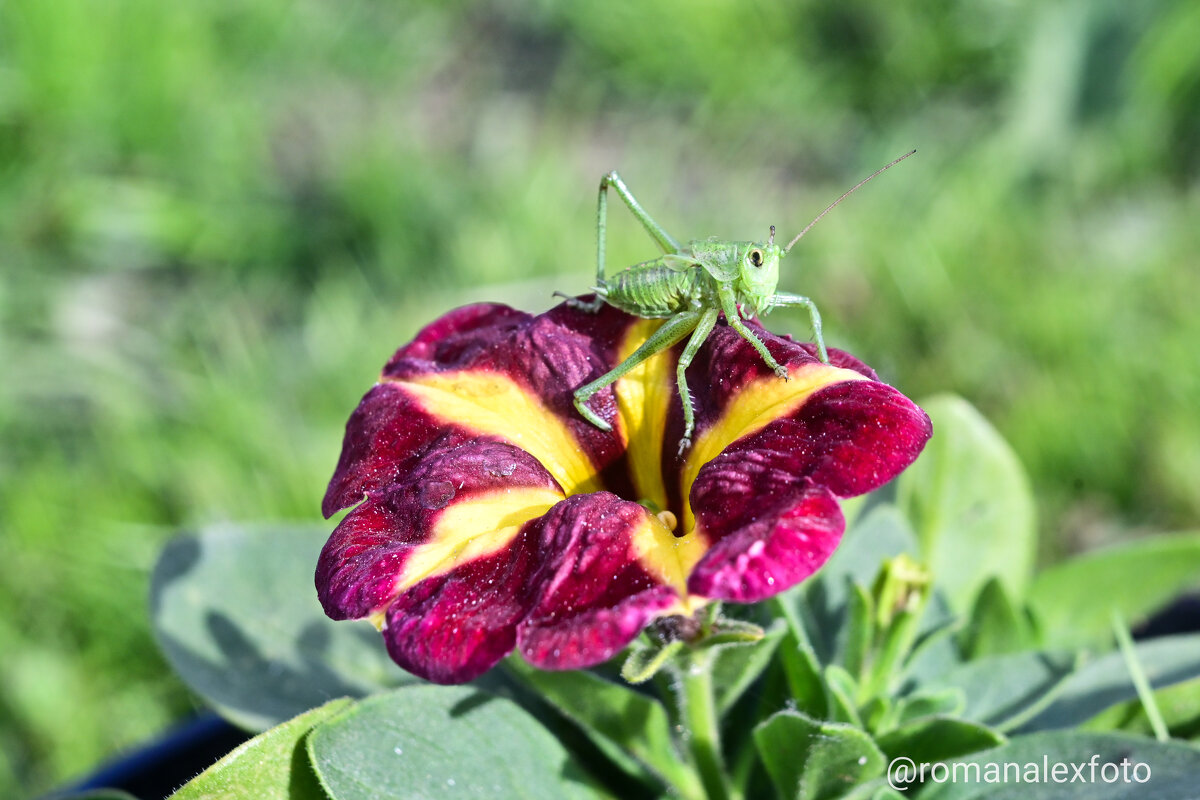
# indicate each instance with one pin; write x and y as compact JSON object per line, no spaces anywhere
{"x":652,"y":290}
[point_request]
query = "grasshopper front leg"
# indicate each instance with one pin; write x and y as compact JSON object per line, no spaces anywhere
{"x":781,"y":299}
{"x":729,"y":306}
{"x":704,"y":327}
{"x":671,"y":332}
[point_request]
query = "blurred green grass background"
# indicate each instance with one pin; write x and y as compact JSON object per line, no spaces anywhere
{"x":218,"y":219}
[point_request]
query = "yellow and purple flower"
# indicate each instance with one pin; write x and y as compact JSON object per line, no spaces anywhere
{"x":490,"y":516}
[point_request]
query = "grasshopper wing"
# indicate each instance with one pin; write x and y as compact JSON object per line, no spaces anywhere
{"x":677,"y":262}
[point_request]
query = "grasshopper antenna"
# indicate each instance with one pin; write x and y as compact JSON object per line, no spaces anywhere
{"x":843,"y":197}
{"x":771,"y":241}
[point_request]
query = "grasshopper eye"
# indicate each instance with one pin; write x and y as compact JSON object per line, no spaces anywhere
{"x":756,"y":257}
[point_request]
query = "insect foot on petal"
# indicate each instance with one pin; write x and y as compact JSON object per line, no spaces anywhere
{"x":588,"y":414}
{"x":684,"y":444}
{"x":782,"y":371}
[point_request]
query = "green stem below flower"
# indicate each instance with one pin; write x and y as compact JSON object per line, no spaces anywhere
{"x":698,"y":713}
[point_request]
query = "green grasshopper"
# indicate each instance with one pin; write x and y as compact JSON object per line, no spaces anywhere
{"x":690,"y":286}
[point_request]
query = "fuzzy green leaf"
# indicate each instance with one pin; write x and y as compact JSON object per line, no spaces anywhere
{"x":234,"y":611}
{"x":1179,"y":705}
{"x":622,"y":722}
{"x":1169,"y":770}
{"x":737,"y":666}
{"x":822,"y":602}
{"x":1004,"y":691}
{"x":969,"y":501}
{"x":938,"y":738}
{"x":815,"y":760}
{"x":1074,"y":600}
{"x":433,"y":742}
{"x":996,"y":625}
{"x":1105,"y":682}
{"x":271,"y":766}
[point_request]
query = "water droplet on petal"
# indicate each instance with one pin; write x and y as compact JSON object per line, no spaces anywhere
{"x":436,"y":494}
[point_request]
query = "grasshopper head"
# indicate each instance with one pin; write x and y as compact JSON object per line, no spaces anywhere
{"x":758,"y":272}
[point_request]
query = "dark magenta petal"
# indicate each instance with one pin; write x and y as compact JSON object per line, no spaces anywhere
{"x":454,"y":627}
{"x":550,"y":355}
{"x":463,"y":329}
{"x":472,"y":488}
{"x":850,"y":437}
{"x":462,"y":546}
{"x":595,"y":593}
{"x":387,"y":435}
{"x":767,"y":503}
{"x":786,"y":537}
{"x":473,"y":354}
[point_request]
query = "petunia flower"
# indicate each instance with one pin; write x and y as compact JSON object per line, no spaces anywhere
{"x":490,"y":516}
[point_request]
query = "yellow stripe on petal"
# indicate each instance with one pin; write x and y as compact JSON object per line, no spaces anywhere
{"x":667,"y":557}
{"x":756,"y":405}
{"x":643,"y":397}
{"x":475,"y":528}
{"x":492,"y":403}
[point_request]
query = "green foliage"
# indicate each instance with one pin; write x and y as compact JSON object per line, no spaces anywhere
{"x":233,"y":614}
{"x":632,"y":729}
{"x":864,"y":663}
{"x":1074,"y":601}
{"x":271,"y":766}
{"x":1172,"y":766}
{"x":431,"y":741}
{"x":970,"y":504}
{"x":807,"y":758}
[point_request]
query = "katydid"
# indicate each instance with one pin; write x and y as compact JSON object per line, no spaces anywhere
{"x":690,"y":286}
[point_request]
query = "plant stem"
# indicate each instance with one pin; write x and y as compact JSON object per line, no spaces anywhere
{"x":699,"y":714}
{"x":1145,"y":693}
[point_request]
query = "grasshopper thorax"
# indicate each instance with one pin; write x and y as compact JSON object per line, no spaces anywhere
{"x":749,"y":269}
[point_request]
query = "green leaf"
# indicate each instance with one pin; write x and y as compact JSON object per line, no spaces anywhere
{"x":969,"y":501}
{"x":996,"y":625}
{"x":843,"y":690}
{"x":1105,"y":681}
{"x":876,"y":789}
{"x":822,"y":601}
{"x":737,"y":666}
{"x":271,"y":766}
{"x":810,"y":759}
{"x":644,"y":661}
{"x":622,"y":722}
{"x":1178,"y":703}
{"x":1003,"y":691}
{"x":434,"y":742}
{"x":944,"y":702}
{"x":936,"y":650}
{"x":895,"y":645}
{"x":860,"y":631}
{"x":800,"y":667}
{"x":1074,"y":600}
{"x":937,"y":738}
{"x":1168,"y":769}
{"x":235,"y":612}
